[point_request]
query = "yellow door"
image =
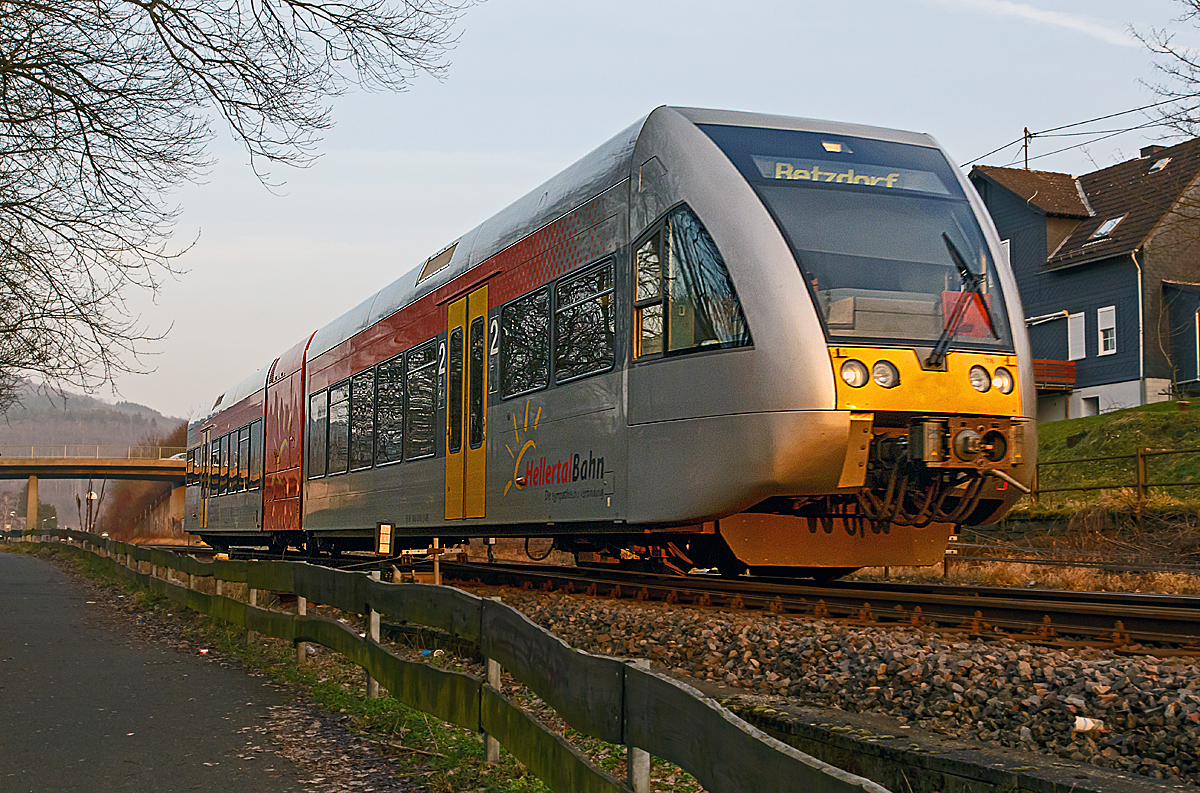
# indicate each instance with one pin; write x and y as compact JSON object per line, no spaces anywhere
{"x":476,"y":403}
{"x":456,"y":347}
{"x":466,"y":406}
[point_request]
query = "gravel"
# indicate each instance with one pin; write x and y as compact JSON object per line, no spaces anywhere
{"x":1139,"y":714}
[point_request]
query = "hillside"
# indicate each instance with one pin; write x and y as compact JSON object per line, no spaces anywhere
{"x":76,"y":419}
{"x":1120,"y":434}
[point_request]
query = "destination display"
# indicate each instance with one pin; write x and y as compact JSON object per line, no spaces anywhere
{"x":830,"y":171}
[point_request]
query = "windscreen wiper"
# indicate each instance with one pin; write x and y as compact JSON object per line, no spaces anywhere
{"x":974,"y":286}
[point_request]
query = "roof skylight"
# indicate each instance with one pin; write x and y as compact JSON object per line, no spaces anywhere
{"x":1107,"y":227}
{"x":1158,"y":166}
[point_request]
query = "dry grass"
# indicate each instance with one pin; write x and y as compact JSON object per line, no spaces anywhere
{"x":1016,"y":574}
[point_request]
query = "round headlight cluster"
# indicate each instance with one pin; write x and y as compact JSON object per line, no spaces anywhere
{"x":854,"y":373}
{"x":982,"y":381}
{"x":885,"y":374}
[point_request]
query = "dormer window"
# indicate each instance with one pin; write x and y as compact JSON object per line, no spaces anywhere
{"x":1107,"y":227}
{"x":1158,"y":166}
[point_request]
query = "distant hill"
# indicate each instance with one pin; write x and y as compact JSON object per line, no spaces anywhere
{"x":43,"y":419}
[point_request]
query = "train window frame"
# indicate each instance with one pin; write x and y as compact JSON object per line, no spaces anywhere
{"x":476,"y":366}
{"x":507,"y":345}
{"x":409,"y":372}
{"x":393,"y":421}
{"x":190,"y":468}
{"x":455,"y":396}
{"x":339,"y":395}
{"x":661,"y":232}
{"x":225,"y":489}
{"x":558,"y":310}
{"x":355,"y":396}
{"x":256,"y":455}
{"x":244,"y":459}
{"x":312,"y":455}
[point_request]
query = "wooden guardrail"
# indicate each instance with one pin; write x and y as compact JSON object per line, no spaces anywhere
{"x":611,"y":699}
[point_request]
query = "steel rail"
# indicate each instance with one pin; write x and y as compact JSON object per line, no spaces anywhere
{"x":1041,"y":615}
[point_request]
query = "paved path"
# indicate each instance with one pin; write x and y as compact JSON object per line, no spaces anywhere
{"x":84,"y":707}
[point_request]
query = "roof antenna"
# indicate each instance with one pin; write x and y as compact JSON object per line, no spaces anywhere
{"x":1028,"y":137}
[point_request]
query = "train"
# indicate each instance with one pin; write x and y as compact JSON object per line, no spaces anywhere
{"x":722,"y":340}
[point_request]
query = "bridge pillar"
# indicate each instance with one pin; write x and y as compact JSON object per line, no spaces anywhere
{"x":31,"y":506}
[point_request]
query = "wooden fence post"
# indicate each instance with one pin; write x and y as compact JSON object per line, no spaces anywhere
{"x":301,"y":611}
{"x":491,"y":745}
{"x":437,"y":569}
{"x":1143,"y":488}
{"x":220,"y":586}
{"x":637,"y":763}
{"x":253,"y":598}
{"x":373,"y":633}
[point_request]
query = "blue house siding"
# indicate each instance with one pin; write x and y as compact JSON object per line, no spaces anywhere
{"x":1183,"y":306}
{"x":1085,"y":289}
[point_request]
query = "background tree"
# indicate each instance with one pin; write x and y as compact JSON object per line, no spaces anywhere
{"x":108,"y":105}
{"x":1179,"y":70}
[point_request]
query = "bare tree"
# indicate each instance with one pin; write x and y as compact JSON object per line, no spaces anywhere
{"x":1179,"y":69}
{"x":106,"y":106}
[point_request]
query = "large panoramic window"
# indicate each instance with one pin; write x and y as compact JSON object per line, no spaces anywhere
{"x":883,"y":234}
{"x":690,"y":304}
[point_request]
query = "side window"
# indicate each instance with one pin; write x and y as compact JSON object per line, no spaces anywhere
{"x":420,"y":410}
{"x":584,"y":324}
{"x":362,"y":420}
{"x":339,"y":428}
{"x":475,"y":403}
{"x":244,"y":457}
{"x":226,"y":473}
{"x":684,"y":298}
{"x":389,"y":411}
{"x":647,"y":305}
{"x":525,"y":353}
{"x":318,"y":415}
{"x":256,"y":455}
{"x":1106,"y":322}
{"x":214,"y":467}
{"x":190,"y":476}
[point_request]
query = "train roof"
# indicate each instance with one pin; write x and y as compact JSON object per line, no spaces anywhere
{"x":598,"y":171}
{"x":227,"y":399}
{"x":604,"y":167}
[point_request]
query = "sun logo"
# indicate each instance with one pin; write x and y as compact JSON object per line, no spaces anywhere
{"x":517,"y":479}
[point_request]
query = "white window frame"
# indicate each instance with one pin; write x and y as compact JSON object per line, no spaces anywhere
{"x":1076,"y":349}
{"x":1106,"y":319}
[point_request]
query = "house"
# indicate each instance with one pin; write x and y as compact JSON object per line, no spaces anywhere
{"x":1108,"y":268}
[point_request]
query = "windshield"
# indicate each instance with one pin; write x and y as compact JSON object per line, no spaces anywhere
{"x":865,"y":219}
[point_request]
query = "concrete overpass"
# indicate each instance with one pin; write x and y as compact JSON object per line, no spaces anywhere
{"x":153,"y":463}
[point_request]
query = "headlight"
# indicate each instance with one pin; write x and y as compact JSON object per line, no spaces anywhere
{"x":1002,"y":380}
{"x":854,"y":373}
{"x":885,"y":375}
{"x":981,"y":381}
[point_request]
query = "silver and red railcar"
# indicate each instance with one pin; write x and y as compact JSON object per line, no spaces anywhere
{"x":720,"y":339}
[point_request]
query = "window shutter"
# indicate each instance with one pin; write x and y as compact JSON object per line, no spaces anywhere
{"x":1075,"y":346}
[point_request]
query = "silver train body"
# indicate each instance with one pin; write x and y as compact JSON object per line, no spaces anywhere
{"x":721,"y":339}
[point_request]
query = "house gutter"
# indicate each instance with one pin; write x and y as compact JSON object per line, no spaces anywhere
{"x":1141,"y":330}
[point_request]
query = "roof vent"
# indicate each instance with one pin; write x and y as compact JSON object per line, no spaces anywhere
{"x":1151,"y":150}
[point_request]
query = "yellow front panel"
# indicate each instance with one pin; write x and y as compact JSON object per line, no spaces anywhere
{"x":476,"y":462}
{"x":922,"y":391}
{"x":454,"y":460}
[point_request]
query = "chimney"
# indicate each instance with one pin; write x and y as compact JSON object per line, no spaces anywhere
{"x":1150,"y":151}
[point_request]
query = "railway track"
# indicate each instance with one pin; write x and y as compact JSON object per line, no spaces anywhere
{"x":1065,"y":618}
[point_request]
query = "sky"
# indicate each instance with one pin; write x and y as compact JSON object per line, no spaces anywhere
{"x":533,"y":85}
